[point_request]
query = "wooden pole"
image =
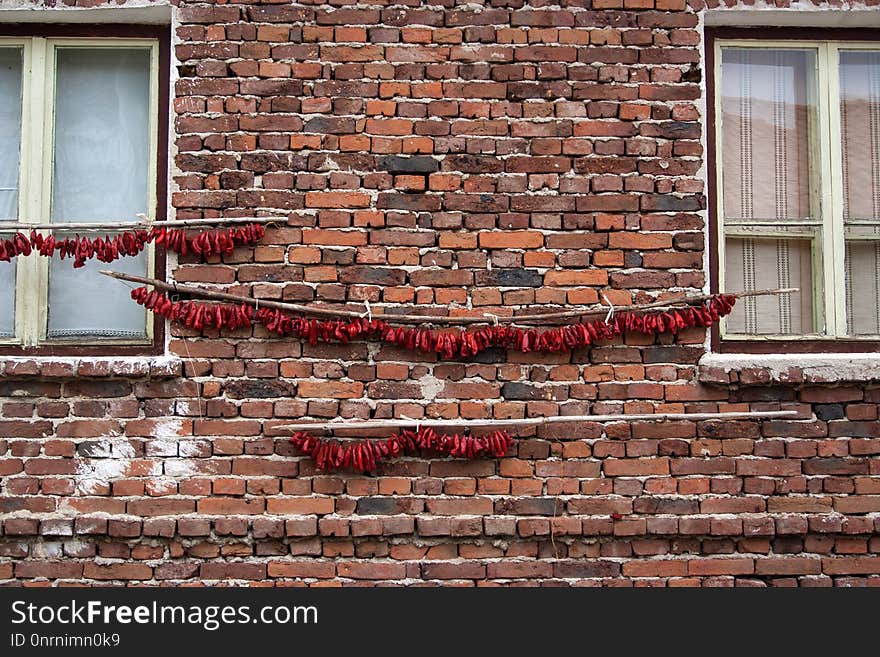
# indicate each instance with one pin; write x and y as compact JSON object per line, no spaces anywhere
{"x":319,"y":311}
{"x":128,"y":225}
{"x":664,"y":303}
{"x":531,"y":421}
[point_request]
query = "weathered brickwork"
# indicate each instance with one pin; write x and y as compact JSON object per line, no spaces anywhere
{"x":463,"y":158}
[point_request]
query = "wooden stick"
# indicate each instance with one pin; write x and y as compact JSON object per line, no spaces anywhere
{"x":690,"y":300}
{"x":532,"y":421}
{"x":128,"y":225}
{"x":319,"y":311}
{"x":237,"y":299}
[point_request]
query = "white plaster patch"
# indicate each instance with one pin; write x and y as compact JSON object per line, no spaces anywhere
{"x":431,"y":387}
{"x":76,"y":546}
{"x":47,"y":550}
{"x":183,"y":407}
{"x":162,"y":448}
{"x":189,"y":448}
{"x":169,"y":428}
{"x":122,"y":449}
{"x":180,"y":468}
{"x":94,"y":475}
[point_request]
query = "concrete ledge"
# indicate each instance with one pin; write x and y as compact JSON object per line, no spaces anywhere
{"x":756,"y":369}
{"x":59,"y":367}
{"x":794,"y":16}
{"x":139,"y":12}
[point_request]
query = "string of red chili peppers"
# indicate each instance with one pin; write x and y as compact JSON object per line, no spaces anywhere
{"x":448,"y":343}
{"x":363,"y":455}
{"x":131,"y":242}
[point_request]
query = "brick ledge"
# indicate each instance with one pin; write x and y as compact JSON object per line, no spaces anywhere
{"x":130,"y":367}
{"x":757,"y":369}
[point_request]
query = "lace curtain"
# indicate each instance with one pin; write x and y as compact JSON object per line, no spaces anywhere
{"x":10,"y":147}
{"x":100,"y":173}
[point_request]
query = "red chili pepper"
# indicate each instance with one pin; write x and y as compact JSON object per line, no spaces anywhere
{"x":359,"y":457}
{"x":22,"y":244}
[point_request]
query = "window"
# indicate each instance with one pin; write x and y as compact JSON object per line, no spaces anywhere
{"x":797,"y":198}
{"x":79,"y":133}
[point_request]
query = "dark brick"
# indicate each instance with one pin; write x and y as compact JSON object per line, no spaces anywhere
{"x":829,"y":411}
{"x":586,"y":569}
{"x":525,"y":391}
{"x":416,"y":164}
{"x":509,"y":278}
{"x":259,"y":389}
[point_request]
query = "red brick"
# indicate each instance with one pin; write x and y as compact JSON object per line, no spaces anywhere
{"x":371,"y":570}
{"x":851,"y":565}
{"x":337,"y":200}
{"x":721,"y":566}
{"x":122,"y":571}
{"x":300,"y":505}
{"x":437,"y":159}
{"x":517,"y":239}
{"x":302,"y":569}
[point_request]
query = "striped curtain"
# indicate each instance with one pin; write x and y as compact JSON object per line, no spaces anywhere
{"x":766,"y":187}
{"x":860,"y":136}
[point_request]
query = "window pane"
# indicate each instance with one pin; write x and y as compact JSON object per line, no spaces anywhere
{"x":860,"y":145}
{"x":10,"y":131}
{"x":102,"y":144}
{"x":7,"y":299}
{"x":84,"y":303}
{"x":860,"y":133}
{"x":100,"y":174}
{"x":767,"y":106}
{"x":757,"y":264}
{"x":863,"y":287}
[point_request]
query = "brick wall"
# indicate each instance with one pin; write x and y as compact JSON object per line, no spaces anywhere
{"x":448,"y":157}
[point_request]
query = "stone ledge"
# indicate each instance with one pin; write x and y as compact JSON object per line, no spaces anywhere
{"x":759,"y":369}
{"x":56,"y":367}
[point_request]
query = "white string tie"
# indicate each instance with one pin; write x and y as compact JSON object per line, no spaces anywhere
{"x":417,"y":422}
{"x":610,"y":314}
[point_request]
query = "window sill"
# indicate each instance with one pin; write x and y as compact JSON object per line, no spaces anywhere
{"x":132,"y":367}
{"x":758,"y":369}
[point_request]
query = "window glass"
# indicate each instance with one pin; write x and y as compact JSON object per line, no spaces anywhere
{"x":860,"y":147}
{"x":101,"y":165}
{"x":102,"y":143}
{"x":7,"y":298}
{"x":769,"y":187}
{"x":10,"y":147}
{"x":10,"y":131}
{"x":83,"y":303}
{"x":769,"y":264}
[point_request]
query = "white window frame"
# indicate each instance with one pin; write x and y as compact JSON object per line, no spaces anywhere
{"x":35,"y":179}
{"x":829,"y":284}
